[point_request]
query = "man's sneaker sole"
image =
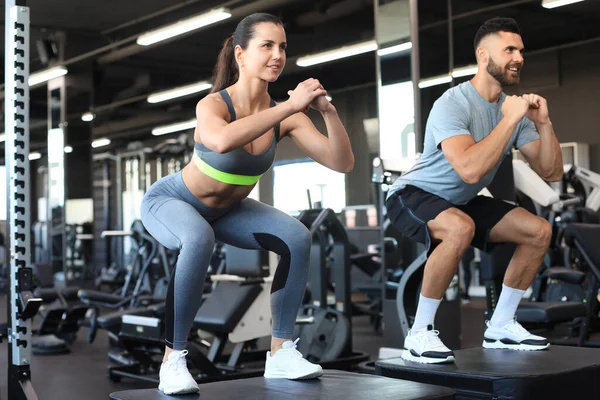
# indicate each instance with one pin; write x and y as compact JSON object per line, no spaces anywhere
{"x":407,"y":355}
{"x":285,"y":375}
{"x":178,"y":391}
{"x":498,"y":344}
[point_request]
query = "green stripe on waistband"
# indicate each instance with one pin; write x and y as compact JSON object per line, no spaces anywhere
{"x":225,"y":177}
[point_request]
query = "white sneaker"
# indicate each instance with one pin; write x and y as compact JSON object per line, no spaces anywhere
{"x":512,"y":336}
{"x":425,"y":346}
{"x":288,"y":363}
{"x":174,"y":375}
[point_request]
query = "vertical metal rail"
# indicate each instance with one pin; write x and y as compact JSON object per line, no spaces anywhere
{"x":22,"y":306}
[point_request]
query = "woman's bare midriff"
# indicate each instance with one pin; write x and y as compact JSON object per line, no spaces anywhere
{"x":210,"y":192}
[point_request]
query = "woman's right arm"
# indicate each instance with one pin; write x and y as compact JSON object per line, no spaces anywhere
{"x":222,"y":137}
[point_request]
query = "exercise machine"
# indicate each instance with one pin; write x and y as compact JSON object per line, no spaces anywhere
{"x":589,"y":182}
{"x":137,"y":290}
{"x":61,"y":313}
{"x":513,"y":175}
{"x":367,"y":272}
{"x":120,"y":181}
{"x":584,"y":238}
{"x":325,"y":332}
{"x":556,"y":280}
{"x":236,"y":311}
{"x":22,"y":305}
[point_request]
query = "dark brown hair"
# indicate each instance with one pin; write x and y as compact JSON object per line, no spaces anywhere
{"x":495,"y":25}
{"x":226,"y":69}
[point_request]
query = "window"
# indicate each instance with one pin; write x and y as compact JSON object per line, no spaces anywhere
{"x":254,"y":194}
{"x":396,"y":121}
{"x":293,"y":181}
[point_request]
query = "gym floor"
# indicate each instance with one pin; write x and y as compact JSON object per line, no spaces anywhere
{"x":82,"y":373}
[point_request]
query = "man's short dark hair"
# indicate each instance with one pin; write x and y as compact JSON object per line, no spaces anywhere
{"x":494,"y":25}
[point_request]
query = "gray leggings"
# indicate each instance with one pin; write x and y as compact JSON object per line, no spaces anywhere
{"x":179,"y":221}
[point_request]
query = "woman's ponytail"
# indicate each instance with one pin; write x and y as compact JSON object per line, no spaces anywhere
{"x":226,"y":71}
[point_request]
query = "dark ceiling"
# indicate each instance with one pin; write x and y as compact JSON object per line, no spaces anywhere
{"x":116,"y":79}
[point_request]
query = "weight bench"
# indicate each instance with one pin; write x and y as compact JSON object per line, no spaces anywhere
{"x":333,"y":385}
{"x":220,"y":313}
{"x":59,"y":325}
{"x":61,"y":312}
{"x":585,"y":238}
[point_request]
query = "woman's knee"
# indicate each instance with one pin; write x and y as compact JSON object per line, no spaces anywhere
{"x":286,"y":238}
{"x":197,"y":239}
{"x":298,"y":239}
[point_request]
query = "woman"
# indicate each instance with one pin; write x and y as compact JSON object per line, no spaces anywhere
{"x":237,"y":132}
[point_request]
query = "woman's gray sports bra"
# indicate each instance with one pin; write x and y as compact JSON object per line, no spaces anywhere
{"x":237,"y":167}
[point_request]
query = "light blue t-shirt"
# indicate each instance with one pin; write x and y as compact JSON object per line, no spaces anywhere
{"x":460,"y":110}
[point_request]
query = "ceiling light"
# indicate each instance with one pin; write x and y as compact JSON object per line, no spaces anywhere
{"x":179,"y":92}
{"x":342,"y":52}
{"x":439,"y":80}
{"x":34,"y":156}
{"x":45,"y":75}
{"x":68,"y":149}
{"x":558,"y":3}
{"x":87,"y":117}
{"x":464,"y":71}
{"x":100,"y":142}
{"x":180,"y":126}
{"x":183,"y":26}
{"x":395,"y":49}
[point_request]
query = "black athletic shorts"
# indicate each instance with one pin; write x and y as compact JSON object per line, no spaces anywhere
{"x":410,"y":208}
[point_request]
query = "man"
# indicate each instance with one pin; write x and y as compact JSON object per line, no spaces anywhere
{"x":470,"y":129}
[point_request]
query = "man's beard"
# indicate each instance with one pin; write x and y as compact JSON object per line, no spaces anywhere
{"x":501,"y":74}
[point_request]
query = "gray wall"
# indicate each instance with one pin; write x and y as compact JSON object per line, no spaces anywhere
{"x":353,"y":107}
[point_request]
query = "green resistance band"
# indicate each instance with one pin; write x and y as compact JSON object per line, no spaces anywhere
{"x":225,"y":177}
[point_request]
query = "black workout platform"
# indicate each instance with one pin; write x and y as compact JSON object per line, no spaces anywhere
{"x":332,"y":385}
{"x":560,"y":372}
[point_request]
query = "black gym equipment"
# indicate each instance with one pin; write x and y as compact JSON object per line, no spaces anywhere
{"x":325,"y":332}
{"x":585,"y":238}
{"x":235,"y":309}
{"x":137,"y":281}
{"x":368,"y":250}
{"x":138,"y":295}
{"x":22,"y":305}
{"x":61,"y":313}
{"x":552,"y":288}
{"x":333,"y":385}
